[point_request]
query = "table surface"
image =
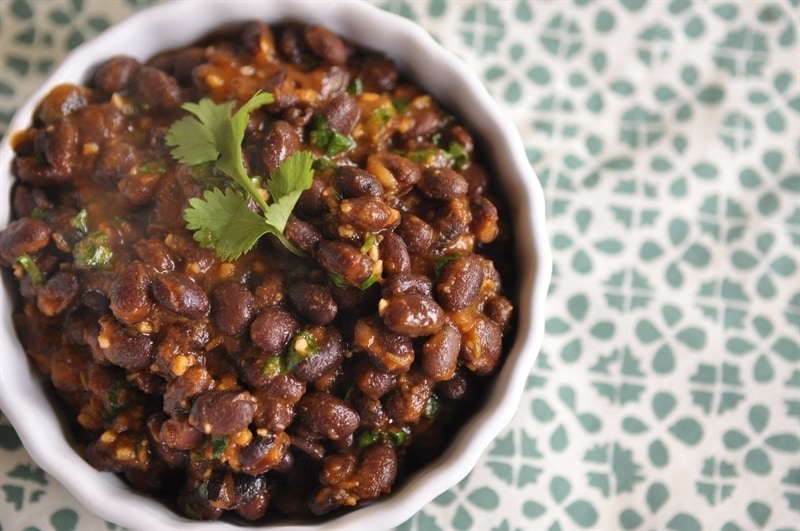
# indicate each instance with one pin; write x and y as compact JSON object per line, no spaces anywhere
{"x":666,"y":135}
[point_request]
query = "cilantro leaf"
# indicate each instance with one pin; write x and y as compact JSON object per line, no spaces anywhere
{"x":223,"y":220}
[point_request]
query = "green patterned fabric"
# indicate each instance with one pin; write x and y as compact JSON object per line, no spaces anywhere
{"x":666,"y":135}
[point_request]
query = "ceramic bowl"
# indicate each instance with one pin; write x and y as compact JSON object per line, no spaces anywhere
{"x":29,"y":407}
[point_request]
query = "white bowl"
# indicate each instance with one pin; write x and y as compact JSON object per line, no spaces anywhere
{"x":22,"y":395}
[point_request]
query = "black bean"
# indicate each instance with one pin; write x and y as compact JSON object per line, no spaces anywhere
{"x":116,"y":74}
{"x":113,"y":163}
{"x":185,"y":62}
{"x":377,"y":472}
{"x":394,"y":253}
{"x":23,"y":236}
{"x":443,"y":184}
{"x":256,"y":35}
{"x":272,"y":329}
{"x":390,"y":352}
{"x":330,"y":352}
{"x":345,"y":261}
{"x":440,"y":353}
{"x":328,"y":46}
{"x":407,"y":402}
{"x":292,"y":44}
{"x":57,"y":294}
{"x":484,"y":220}
{"x":369,"y":213}
{"x":355,"y":300}
{"x":232,"y":307}
{"x":311,"y":201}
{"x":264,"y":453}
{"x":313,"y":302}
{"x":122,"y":348}
{"x":370,"y":381}
{"x":158,"y":89}
{"x":280,"y":143}
{"x":180,"y":294}
{"x":453,"y":219}
{"x":482,"y":346}
{"x":156,"y":254}
{"x":416,"y":233}
{"x":356,"y":182}
{"x":477,"y":177}
{"x":500,"y":310}
{"x":179,"y":434}
{"x":379,"y":74}
{"x":222,"y":412}
{"x":61,"y":101}
{"x":327,"y":415}
{"x":129,"y":293}
{"x":459,"y":282}
{"x":412,"y":314}
{"x":303,"y":234}
{"x":406,"y":283}
{"x":342,"y":113}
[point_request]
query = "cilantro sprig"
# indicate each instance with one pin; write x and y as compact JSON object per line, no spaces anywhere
{"x":222,"y":218}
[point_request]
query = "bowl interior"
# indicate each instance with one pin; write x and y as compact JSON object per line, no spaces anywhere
{"x":22,"y":396}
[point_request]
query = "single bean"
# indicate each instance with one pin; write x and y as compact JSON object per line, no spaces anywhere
{"x":222,"y":412}
{"x":158,"y":89}
{"x":390,"y":352}
{"x":129,"y":293}
{"x":113,"y":163}
{"x":327,"y":415}
{"x":459,"y":282}
{"x":440,"y":353}
{"x":342,"y":113}
{"x":407,"y":402}
{"x":116,"y":74}
{"x":23,"y":236}
{"x":484,"y":220}
{"x":405,"y":283}
{"x":155,"y":253}
{"x":232,"y":307}
{"x":417,"y":234}
{"x":280,"y":143}
{"x":272,"y":329}
{"x":264,"y":453}
{"x":257,"y":37}
{"x":369,"y":213}
{"x":62,"y":100}
{"x":330,"y":351}
{"x":394,"y":253}
{"x":57,"y":294}
{"x":345,"y":261}
{"x":411,"y":314}
{"x":356,"y":182}
{"x":379,"y":74}
{"x":122,"y":348}
{"x":500,"y":310}
{"x":180,"y":294}
{"x":370,"y":381}
{"x":328,"y":46}
{"x":377,"y":472}
{"x":482,"y":346}
{"x":313,"y":302}
{"x":179,"y":434}
{"x":443,"y":184}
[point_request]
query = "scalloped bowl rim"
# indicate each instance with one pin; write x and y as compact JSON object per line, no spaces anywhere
{"x":27,"y":405}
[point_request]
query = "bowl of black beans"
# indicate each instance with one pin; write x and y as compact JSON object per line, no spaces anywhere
{"x":265,"y":264}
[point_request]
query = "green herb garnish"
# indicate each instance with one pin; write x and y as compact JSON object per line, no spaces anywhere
{"x":80,"y":221}
{"x":93,"y":252}
{"x":222,"y":219}
{"x":394,"y":437}
{"x":302,"y":347}
{"x":331,"y":142}
{"x":30,"y":267}
{"x":219,"y":445}
{"x":458,"y":154}
{"x":444,"y":260}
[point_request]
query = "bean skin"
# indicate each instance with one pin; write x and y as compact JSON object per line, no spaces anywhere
{"x":327,"y":415}
{"x":484,"y":220}
{"x":179,"y":434}
{"x":313,"y":302}
{"x":303,"y":234}
{"x":264,"y":453}
{"x":482,"y":346}
{"x":158,"y":89}
{"x":356,"y":182}
{"x":117,"y":74}
{"x":23,"y":236}
{"x":222,"y":412}
{"x":404,"y":283}
{"x":390,"y":352}
{"x":232,"y":307}
{"x":330,"y":353}
{"x":57,"y":294}
{"x":272,"y":329}
{"x":408,"y":401}
{"x":443,"y":184}
{"x":122,"y":348}
{"x":129,"y":293}
{"x":369,"y":213}
{"x":344,"y":260}
{"x":281,"y":142}
{"x":440,"y":353}
{"x":373,"y":383}
{"x":326,"y":45}
{"x":180,"y":294}
{"x":459,"y":283}
{"x":61,"y":101}
{"x":342,"y":113}
{"x":412,"y":314}
{"x":394,"y":253}
{"x":417,"y":234}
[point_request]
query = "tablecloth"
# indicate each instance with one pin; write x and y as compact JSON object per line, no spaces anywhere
{"x":666,"y":136}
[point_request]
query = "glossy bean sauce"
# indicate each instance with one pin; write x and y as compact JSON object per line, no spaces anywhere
{"x":272,"y":386}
